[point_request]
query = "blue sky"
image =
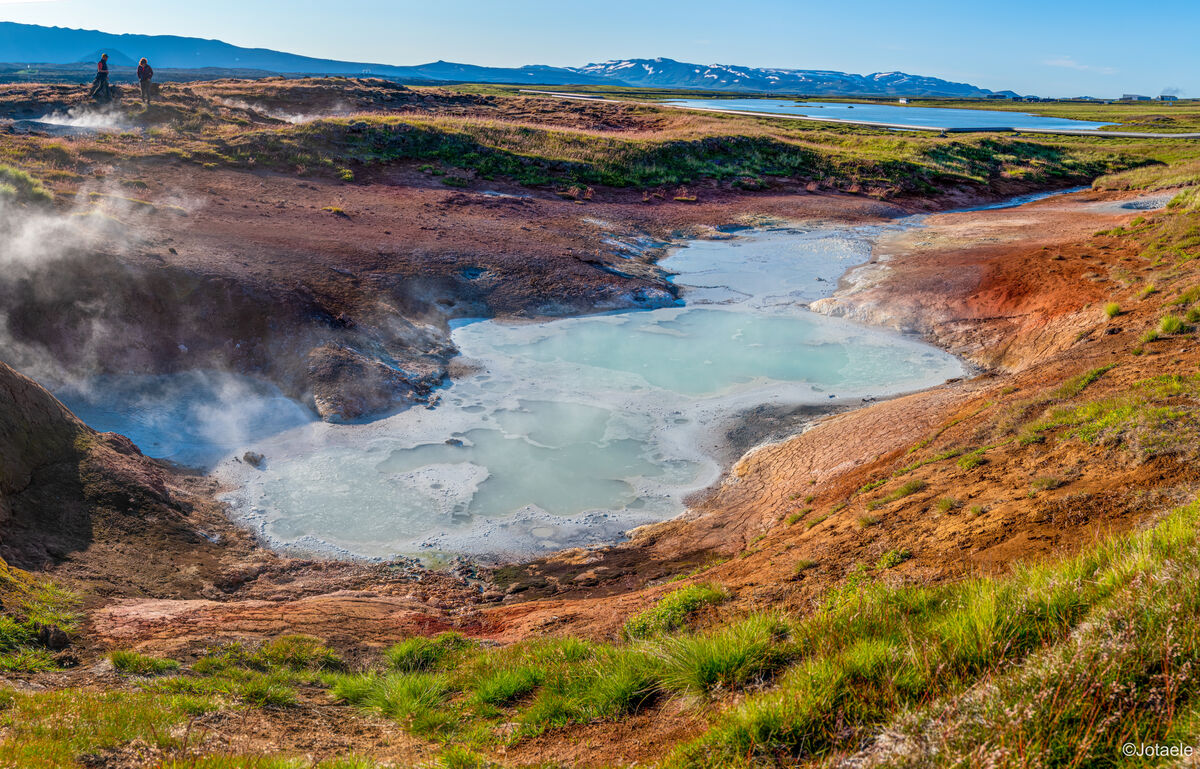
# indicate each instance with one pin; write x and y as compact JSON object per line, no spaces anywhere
{"x":1047,"y":47}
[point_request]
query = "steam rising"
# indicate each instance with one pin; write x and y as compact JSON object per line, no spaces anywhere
{"x":106,"y":120}
{"x":67,"y":319}
{"x":295,"y":118}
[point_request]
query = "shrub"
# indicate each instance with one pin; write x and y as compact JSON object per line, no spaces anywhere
{"x":673,"y":610}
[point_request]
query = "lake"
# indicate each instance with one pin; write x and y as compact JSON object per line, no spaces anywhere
{"x":893,"y":115}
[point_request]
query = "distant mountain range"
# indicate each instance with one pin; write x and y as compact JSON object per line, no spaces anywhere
{"x":32,"y":44}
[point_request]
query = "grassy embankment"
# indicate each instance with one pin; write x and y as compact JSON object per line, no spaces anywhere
{"x":540,"y":142}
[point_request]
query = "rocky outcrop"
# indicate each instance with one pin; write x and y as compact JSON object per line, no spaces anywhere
{"x":349,"y":385}
{"x":89,"y":505}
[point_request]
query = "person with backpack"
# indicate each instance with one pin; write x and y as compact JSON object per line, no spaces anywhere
{"x":145,"y":74}
{"x":100,"y":90}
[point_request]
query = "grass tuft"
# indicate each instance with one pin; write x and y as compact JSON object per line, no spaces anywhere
{"x":421,"y":653}
{"x":134,"y":664}
{"x":673,"y":610}
{"x":893,"y":558}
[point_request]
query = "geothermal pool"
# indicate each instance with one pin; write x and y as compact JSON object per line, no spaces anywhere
{"x":572,"y":432}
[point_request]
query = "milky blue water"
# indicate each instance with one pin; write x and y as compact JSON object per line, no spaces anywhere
{"x":570,"y":432}
{"x":576,"y":430}
{"x":196,"y":418}
{"x":927,"y":117}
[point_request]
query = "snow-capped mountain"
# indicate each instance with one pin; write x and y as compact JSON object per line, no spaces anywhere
{"x":28,"y":43}
{"x":668,"y":73}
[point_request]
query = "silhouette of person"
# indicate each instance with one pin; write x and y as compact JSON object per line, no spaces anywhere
{"x":145,"y":74}
{"x":100,"y":89}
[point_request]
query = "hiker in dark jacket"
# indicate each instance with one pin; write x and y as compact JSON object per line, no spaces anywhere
{"x":100,"y":89}
{"x":145,"y":74}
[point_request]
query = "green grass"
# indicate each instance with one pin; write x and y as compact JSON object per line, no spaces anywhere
{"x":1151,"y":417}
{"x":537,"y":685}
{"x":731,"y":658}
{"x":420,"y":653}
{"x":816,"y":521}
{"x":893,"y":558}
{"x":49,"y":730}
{"x":940,"y":457}
{"x":18,"y":186}
{"x":872,"y":655}
{"x":263,"y":676}
{"x":687,"y":149}
{"x":1112,"y":310}
{"x":1170,"y":324}
{"x":673,"y":610}
{"x":910,"y":656}
{"x":135,"y":664}
{"x":507,"y":685}
{"x":1046,"y":483}
{"x":907,"y":489}
{"x":27,"y":605}
{"x":804,"y":564}
{"x":1077,"y":384}
{"x":972,"y":459}
{"x":946,"y":504}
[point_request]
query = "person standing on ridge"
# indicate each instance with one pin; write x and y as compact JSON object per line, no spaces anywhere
{"x":100,"y":89}
{"x":145,"y":74}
